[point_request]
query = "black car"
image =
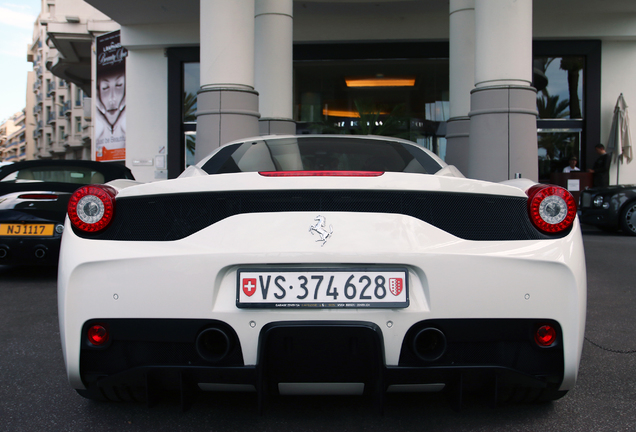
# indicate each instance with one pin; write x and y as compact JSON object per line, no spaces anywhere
{"x":610,"y":208}
{"x":33,"y":200}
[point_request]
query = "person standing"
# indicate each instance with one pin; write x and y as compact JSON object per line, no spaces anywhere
{"x":601,"y":167}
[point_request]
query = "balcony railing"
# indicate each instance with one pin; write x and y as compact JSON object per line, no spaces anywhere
{"x":67,"y":108}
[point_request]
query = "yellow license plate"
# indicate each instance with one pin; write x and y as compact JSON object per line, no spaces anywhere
{"x":26,"y":229}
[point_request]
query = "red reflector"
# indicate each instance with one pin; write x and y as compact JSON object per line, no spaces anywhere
{"x":38,"y":196}
{"x":98,"y":335}
{"x":545,"y":336}
{"x":321,"y":173}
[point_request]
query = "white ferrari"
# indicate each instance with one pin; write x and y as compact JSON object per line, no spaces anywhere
{"x":322,"y":264}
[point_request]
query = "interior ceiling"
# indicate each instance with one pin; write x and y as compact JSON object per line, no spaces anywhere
{"x":127,"y":12}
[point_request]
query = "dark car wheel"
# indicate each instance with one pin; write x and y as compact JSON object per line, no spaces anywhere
{"x":628,"y":219}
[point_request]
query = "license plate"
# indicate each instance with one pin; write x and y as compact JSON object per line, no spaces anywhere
{"x":323,"y":288}
{"x":29,"y":230}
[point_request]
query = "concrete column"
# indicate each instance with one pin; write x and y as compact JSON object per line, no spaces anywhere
{"x":503,"y":130}
{"x":273,"y":65}
{"x":227,"y":105}
{"x":461,"y":81}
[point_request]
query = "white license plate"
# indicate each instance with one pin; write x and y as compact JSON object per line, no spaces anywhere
{"x":323,"y":288}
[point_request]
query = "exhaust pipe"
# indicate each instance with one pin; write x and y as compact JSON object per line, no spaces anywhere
{"x":213,"y":344}
{"x":41,"y":251}
{"x":429,"y":344}
{"x":4,"y":251}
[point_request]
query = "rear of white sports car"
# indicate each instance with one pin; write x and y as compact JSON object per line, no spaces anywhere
{"x":318,"y":279}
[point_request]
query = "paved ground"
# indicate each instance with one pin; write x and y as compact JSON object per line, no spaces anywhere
{"x":34,"y":394}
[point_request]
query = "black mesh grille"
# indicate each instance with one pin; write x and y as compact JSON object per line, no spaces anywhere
{"x":468,"y":216}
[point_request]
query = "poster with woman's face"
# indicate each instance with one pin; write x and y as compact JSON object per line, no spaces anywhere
{"x":110,"y":98}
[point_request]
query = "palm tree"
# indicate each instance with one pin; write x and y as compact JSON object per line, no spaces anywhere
{"x":189,"y":107}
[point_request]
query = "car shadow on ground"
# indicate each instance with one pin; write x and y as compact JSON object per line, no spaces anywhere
{"x":28,"y":272}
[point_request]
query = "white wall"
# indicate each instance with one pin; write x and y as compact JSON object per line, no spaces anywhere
{"x":146,"y":108}
{"x":617,"y":76}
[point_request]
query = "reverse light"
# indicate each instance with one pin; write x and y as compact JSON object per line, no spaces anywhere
{"x":552,"y":209}
{"x":91,"y":208}
{"x":321,"y":173}
{"x":98,"y":334}
{"x":545,"y":335}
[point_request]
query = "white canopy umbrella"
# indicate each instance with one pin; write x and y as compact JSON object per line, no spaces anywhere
{"x":620,"y":141}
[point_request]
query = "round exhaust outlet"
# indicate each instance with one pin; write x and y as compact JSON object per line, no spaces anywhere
{"x":429,"y":344}
{"x":213,"y":344}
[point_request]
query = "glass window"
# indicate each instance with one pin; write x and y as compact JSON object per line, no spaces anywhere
{"x":75,"y":175}
{"x":559,"y":84}
{"x":405,"y":98}
{"x":190,"y":88}
{"x":190,"y":146}
{"x":317,"y":154}
{"x":556,"y":147}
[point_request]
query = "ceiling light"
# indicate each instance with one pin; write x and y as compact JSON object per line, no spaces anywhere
{"x":380,"y":82}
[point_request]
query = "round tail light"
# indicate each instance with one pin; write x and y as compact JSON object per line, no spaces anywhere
{"x":545,"y":336}
{"x":98,"y":335}
{"x":552,"y":209}
{"x":91,"y":208}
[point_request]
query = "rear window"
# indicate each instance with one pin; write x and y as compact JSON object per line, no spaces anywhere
{"x":67,"y":174}
{"x":321,"y":154}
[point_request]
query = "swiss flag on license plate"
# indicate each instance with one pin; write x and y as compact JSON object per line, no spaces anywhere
{"x":396,"y":285}
{"x":249,"y":286}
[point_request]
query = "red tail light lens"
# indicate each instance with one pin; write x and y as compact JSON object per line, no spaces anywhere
{"x":321,"y":173}
{"x":91,"y":208}
{"x":98,"y":334}
{"x":545,"y":335}
{"x":552,"y":209}
{"x":42,"y":196}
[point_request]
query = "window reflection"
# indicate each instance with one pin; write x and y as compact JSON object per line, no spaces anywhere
{"x":190,"y":146}
{"x":559,"y":84}
{"x":190,"y":88}
{"x":556,"y":147}
{"x":400,"y":98}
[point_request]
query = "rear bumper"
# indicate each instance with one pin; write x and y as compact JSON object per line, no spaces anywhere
{"x":450,"y":279}
{"x":147,"y":356}
{"x":30,"y":250}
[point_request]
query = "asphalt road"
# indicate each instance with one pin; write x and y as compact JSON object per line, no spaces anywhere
{"x":35,"y":396}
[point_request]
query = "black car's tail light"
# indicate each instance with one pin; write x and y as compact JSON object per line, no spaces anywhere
{"x":38,"y":196}
{"x":91,"y":208}
{"x":552,"y":209}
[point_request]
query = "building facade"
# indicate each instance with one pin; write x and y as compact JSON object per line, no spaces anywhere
{"x":61,"y":112}
{"x":496,"y":87}
{"x":13,"y":138}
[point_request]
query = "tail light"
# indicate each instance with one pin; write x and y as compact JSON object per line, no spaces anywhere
{"x":552,"y":209}
{"x":38,"y":196}
{"x":91,"y":208}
